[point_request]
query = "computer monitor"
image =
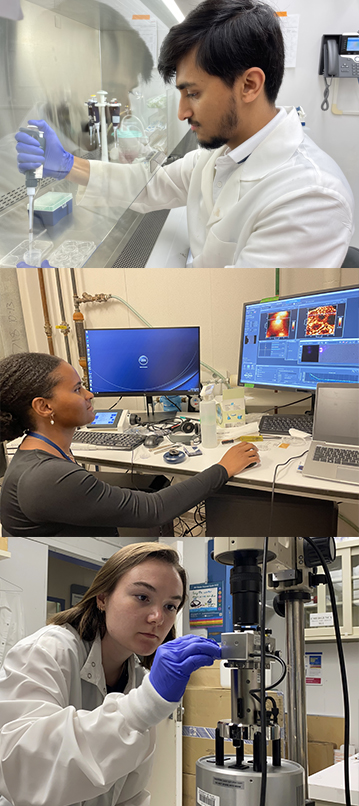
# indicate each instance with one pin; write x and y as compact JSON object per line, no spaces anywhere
{"x":297,"y":342}
{"x":143,"y":361}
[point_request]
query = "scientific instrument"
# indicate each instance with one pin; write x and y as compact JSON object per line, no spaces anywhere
{"x":32,"y":178}
{"x":236,"y":780}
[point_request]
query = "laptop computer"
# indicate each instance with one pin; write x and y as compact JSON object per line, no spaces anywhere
{"x":334,"y":450}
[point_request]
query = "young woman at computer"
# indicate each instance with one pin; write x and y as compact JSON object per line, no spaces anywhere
{"x":45,"y":493}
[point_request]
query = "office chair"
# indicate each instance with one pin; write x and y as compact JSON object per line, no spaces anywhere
{"x":351,"y":260}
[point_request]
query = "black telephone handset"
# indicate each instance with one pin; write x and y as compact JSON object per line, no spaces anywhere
{"x":331,"y":58}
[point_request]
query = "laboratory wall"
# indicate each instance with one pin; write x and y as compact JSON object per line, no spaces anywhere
{"x":210,"y":298}
{"x":302,"y":86}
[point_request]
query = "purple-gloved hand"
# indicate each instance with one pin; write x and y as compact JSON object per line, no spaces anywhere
{"x":56,"y":161}
{"x":176,"y":660}
{"x":44,"y":265}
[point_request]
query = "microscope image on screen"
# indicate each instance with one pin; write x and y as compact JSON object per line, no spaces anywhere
{"x":278,"y":325}
{"x":321,"y":321}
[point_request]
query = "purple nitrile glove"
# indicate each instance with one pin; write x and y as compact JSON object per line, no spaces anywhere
{"x":44,"y":265}
{"x":176,"y":660}
{"x":56,"y":161}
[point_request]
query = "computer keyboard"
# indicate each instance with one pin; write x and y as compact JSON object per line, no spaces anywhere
{"x":275,"y":424}
{"x":338,"y":456}
{"x":104,"y":439}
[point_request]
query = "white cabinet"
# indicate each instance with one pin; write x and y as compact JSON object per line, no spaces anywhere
{"x":345,"y":575}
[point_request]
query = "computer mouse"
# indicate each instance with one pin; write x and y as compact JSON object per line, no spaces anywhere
{"x":253,"y":464}
{"x":153,"y":440}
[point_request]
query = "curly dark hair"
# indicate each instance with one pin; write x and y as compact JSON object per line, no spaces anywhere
{"x":230,"y":36}
{"x":23,"y":377}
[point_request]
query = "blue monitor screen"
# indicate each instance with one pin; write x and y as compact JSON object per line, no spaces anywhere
{"x":141,"y":361}
{"x":297,"y":342}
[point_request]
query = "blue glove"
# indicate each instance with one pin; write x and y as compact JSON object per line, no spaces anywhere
{"x":44,"y":265}
{"x":176,"y":660}
{"x":56,"y":161}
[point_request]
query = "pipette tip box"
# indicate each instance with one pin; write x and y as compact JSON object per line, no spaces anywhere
{"x":52,"y":207}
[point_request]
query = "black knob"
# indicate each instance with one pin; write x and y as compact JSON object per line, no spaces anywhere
{"x":327,"y":547}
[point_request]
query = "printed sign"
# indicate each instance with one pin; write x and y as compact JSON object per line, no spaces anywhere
{"x":313,"y":668}
{"x":205,"y":605}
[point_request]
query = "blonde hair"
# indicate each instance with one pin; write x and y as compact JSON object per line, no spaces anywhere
{"x":85,"y":616}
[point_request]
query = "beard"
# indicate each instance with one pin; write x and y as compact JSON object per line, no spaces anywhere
{"x":227,"y":126}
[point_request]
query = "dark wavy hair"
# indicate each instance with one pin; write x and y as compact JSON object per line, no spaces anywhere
{"x":23,"y":377}
{"x":230,"y":37}
{"x":85,"y":616}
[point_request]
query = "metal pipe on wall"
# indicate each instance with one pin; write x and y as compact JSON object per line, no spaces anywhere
{"x":78,"y":319}
{"x":47,"y":325}
{"x":64,"y":327}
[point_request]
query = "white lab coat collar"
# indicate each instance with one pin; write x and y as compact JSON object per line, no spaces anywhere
{"x":245,"y":149}
{"x":93,"y":672}
{"x":276,"y":149}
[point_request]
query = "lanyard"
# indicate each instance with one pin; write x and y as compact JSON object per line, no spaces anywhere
{"x":49,"y":442}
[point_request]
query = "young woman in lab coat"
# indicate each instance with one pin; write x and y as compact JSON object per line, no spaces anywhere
{"x":77,"y":708}
{"x":45,"y":492}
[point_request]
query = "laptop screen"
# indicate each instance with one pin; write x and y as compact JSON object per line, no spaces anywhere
{"x":336,"y":417}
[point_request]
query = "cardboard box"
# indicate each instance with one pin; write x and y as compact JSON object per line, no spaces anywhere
{"x":326,"y":729}
{"x":189,"y":790}
{"x":204,"y":707}
{"x":3,"y":544}
{"x":320,"y":756}
{"x":208,"y":676}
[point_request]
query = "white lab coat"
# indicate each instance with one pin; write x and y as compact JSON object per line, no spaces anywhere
{"x":288,"y":205}
{"x":63,"y":740}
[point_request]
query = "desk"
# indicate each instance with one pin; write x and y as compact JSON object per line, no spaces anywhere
{"x":327,"y":786}
{"x":230,"y":512}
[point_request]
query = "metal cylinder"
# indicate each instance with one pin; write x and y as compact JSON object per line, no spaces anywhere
{"x":243,"y":706}
{"x":297,"y":718}
{"x":241,"y":787}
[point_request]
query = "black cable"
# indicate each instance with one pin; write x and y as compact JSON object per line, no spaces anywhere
{"x":342,"y":668}
{"x":285,"y":405}
{"x":115,"y":404}
{"x":284,"y":667}
{"x":172,"y":403}
{"x":253,"y":691}
{"x":280,"y":464}
{"x":263,"y":736}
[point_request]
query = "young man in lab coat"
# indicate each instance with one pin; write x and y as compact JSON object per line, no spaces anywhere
{"x":259,"y":192}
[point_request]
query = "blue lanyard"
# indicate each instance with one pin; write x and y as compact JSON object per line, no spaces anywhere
{"x":49,"y":442}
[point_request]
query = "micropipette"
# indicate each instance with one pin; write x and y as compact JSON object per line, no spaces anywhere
{"x":32,"y":177}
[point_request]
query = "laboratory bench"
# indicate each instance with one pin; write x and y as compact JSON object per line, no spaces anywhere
{"x":118,"y":236}
{"x":242,"y":507}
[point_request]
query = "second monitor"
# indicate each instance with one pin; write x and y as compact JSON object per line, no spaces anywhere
{"x":138,"y":361}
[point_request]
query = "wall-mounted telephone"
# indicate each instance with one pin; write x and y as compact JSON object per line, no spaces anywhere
{"x":339,"y":58}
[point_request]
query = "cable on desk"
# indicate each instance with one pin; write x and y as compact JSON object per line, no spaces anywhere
{"x":285,"y":405}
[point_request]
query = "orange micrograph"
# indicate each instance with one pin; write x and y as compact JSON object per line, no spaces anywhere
{"x":321,"y":321}
{"x":278,"y":325}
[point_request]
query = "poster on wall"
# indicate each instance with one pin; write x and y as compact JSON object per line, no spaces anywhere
{"x":313,"y":668}
{"x":205,"y":605}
